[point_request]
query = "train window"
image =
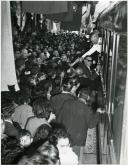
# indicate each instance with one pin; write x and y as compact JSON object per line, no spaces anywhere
{"x":115,"y":52}
{"x":119,"y":93}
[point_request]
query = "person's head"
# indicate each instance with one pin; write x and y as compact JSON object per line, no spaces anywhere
{"x":21,"y":98}
{"x":56,"y":53}
{"x":50,"y":49}
{"x":96,"y":32}
{"x":68,"y":52}
{"x":20,"y":64}
{"x":64,"y":57}
{"x":37,"y":47}
{"x":24,"y":53}
{"x":45,"y":50}
{"x":49,"y":151}
{"x":71,"y":72}
{"x":60,"y":138}
{"x":63,"y":143}
{"x":84,"y":93}
{"x":78,"y":53}
{"x":41,"y":108}
{"x":67,"y":86}
{"x":94,"y":38}
{"x":42,"y":132}
{"x":72,"y":51}
{"x":60,"y":48}
{"x":38,"y":159}
{"x":25,"y":138}
{"x":79,"y":71}
{"x":88,"y":61}
{"x":17,"y":54}
{"x":34,"y":53}
{"x":42,"y":56}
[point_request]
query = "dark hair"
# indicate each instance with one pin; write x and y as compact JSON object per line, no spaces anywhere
{"x":19,"y":62}
{"x":37,"y":159}
{"x":87,"y":57}
{"x":95,"y":32}
{"x":49,"y":151}
{"x":41,"y":108}
{"x":42,"y":132}
{"x":24,"y":132}
{"x":66,"y":82}
{"x":80,"y":68}
{"x":58,"y":133}
{"x":46,"y":154}
{"x":34,"y":159}
{"x":21,"y":98}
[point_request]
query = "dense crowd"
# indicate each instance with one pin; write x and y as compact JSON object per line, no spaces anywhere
{"x":60,"y":97}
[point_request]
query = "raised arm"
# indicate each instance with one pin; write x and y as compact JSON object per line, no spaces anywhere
{"x":92,"y":50}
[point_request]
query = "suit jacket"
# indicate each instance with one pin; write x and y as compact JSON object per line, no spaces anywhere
{"x":90,"y":73}
{"x":77,"y":117}
{"x":58,"y":100}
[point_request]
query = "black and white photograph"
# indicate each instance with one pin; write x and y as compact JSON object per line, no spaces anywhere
{"x":64,"y":86}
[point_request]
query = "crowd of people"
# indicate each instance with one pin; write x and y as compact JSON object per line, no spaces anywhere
{"x":60,"y":98}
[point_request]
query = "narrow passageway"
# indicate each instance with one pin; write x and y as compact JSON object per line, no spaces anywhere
{"x":89,"y":152}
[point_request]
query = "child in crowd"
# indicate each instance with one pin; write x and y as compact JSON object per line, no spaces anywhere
{"x":60,"y":138}
{"x":25,"y":138}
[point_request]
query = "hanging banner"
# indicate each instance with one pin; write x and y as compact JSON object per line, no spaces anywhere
{"x":45,"y":7}
{"x":8,"y":73}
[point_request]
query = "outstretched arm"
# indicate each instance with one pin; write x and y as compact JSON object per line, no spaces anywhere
{"x":75,"y":62}
{"x":92,"y":50}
